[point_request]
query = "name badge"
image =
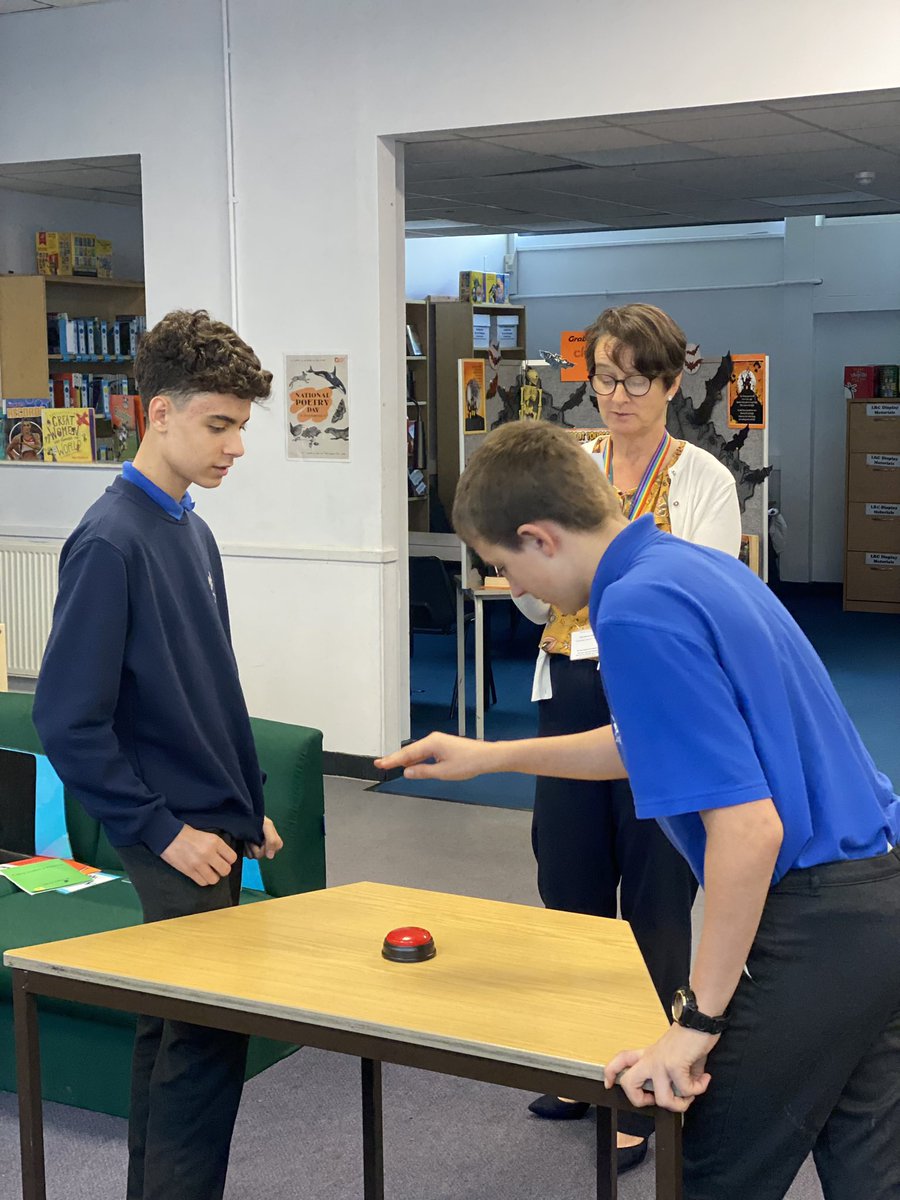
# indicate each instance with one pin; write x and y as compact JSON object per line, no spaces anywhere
{"x":583,"y":644}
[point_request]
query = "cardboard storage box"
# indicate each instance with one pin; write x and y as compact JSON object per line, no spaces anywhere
{"x":481,"y":330}
{"x":507,"y":332}
{"x":875,"y":426}
{"x":873,"y":526}
{"x":874,"y":477}
{"x":873,"y":576}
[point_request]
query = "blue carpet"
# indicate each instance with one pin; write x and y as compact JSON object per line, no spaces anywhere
{"x":860,"y":650}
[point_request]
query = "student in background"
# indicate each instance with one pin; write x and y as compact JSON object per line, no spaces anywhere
{"x":140,"y":710}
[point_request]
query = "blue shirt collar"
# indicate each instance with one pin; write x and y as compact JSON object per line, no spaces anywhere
{"x":620,"y":554}
{"x":174,"y":508}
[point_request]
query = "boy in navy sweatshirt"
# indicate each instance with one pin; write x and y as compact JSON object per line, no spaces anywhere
{"x":140,"y":710}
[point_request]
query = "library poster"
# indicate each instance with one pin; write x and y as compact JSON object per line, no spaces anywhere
{"x":472,"y":394}
{"x":747,"y":392}
{"x":318,"y":407}
{"x":571,"y":349}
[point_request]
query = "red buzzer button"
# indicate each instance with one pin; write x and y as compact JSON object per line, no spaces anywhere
{"x":410,"y":943}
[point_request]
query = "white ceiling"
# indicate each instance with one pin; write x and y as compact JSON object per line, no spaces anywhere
{"x":16,"y":6}
{"x":745,"y":162}
{"x":112,"y":180}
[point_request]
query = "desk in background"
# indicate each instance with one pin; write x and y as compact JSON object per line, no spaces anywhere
{"x":524,"y":997}
{"x":479,"y":597}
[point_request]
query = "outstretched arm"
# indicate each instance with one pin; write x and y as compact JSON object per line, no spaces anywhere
{"x":590,"y":755}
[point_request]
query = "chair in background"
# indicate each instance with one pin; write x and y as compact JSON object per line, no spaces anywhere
{"x":432,"y":609}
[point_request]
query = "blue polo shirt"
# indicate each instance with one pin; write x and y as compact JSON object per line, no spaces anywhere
{"x":175,"y":508}
{"x":717,"y":699}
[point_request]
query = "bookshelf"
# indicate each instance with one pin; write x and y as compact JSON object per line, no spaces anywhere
{"x":420,"y":408}
{"x":454,"y":339}
{"x":25,"y":300}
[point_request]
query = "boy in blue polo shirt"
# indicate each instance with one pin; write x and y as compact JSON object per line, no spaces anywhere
{"x":140,"y":710}
{"x":786,"y":1039}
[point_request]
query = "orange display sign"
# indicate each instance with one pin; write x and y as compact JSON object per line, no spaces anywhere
{"x":747,"y":392}
{"x":311,"y":404}
{"x":571,"y":348}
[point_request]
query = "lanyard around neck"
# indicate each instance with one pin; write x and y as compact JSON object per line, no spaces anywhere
{"x":640,"y":499}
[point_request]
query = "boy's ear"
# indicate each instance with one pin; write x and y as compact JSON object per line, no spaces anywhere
{"x":543,"y":535}
{"x":158,"y":412}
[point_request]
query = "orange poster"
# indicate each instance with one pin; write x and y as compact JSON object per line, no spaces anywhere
{"x":747,"y":391}
{"x":471,"y":395}
{"x":571,"y":348}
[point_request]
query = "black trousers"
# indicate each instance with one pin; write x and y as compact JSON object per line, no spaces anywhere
{"x":589,"y":843}
{"x":186,"y":1080}
{"x":810,"y":1062}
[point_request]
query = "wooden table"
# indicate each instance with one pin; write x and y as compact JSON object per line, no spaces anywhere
{"x":520,"y":996}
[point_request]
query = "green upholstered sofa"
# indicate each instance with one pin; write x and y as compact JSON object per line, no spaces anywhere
{"x":85,"y":1051}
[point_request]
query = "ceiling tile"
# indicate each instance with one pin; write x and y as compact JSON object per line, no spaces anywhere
{"x":662,"y":116}
{"x":711,"y":127}
{"x":569,"y":141}
{"x":807,"y":142}
{"x":19,"y":6}
{"x":836,"y":99}
{"x":660,"y":152}
{"x":500,"y":131}
{"x":846,"y":117}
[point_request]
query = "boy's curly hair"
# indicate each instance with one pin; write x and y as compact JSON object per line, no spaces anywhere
{"x":188,"y":352}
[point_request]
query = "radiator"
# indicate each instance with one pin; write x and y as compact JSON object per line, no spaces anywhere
{"x":27,"y":593}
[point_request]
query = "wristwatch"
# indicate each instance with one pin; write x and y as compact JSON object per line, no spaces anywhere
{"x":685,"y":1012}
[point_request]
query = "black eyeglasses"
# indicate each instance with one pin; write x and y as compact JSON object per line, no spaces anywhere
{"x":634,"y":385}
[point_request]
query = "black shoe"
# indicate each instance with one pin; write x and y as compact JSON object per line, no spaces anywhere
{"x":629,"y":1157}
{"x":551,"y":1108}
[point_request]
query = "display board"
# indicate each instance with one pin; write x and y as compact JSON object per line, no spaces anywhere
{"x":712,"y":394}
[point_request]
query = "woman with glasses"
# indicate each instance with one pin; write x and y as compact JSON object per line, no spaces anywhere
{"x":589,"y":845}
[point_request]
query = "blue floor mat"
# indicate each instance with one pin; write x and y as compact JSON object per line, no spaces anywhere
{"x":860,"y":650}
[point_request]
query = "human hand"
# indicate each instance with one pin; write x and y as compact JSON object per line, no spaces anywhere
{"x":202,"y":856}
{"x":675,"y":1066}
{"x":453,"y":758}
{"x":270,"y":844}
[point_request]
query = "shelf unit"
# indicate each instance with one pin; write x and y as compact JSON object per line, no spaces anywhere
{"x":872,"y":542}
{"x":25,"y":300}
{"x":420,"y":385}
{"x":454,"y":340}
{"x":25,"y":363}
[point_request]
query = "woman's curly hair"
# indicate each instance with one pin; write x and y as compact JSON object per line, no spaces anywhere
{"x":188,"y":352}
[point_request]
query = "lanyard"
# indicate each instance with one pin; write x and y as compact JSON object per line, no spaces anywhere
{"x":654,"y":469}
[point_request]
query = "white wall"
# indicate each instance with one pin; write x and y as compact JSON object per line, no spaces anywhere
{"x":433,"y":264}
{"x":316,"y":85}
{"x":22,"y":215}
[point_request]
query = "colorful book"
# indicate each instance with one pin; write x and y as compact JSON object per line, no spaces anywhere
{"x":69,"y":435}
{"x":33,"y":406}
{"x":44,"y":874}
{"x":23,"y":438}
{"x":123,"y":411}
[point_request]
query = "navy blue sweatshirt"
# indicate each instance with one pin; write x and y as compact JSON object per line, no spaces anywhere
{"x":138,"y":704}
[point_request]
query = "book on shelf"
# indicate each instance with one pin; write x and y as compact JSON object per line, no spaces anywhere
{"x":413,"y":345}
{"x":126,"y":423}
{"x":69,"y":435}
{"x":23,"y":438}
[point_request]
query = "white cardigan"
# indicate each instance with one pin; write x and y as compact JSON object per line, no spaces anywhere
{"x":703,"y":508}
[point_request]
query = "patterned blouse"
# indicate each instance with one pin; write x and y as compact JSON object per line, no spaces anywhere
{"x":557,"y":635}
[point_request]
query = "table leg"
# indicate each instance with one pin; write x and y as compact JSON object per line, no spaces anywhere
{"x":668,"y":1156}
{"x":607,"y":1172}
{"x":28,"y":1076}
{"x":373,"y":1143}
{"x":461,"y":660}
{"x":479,"y":668}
